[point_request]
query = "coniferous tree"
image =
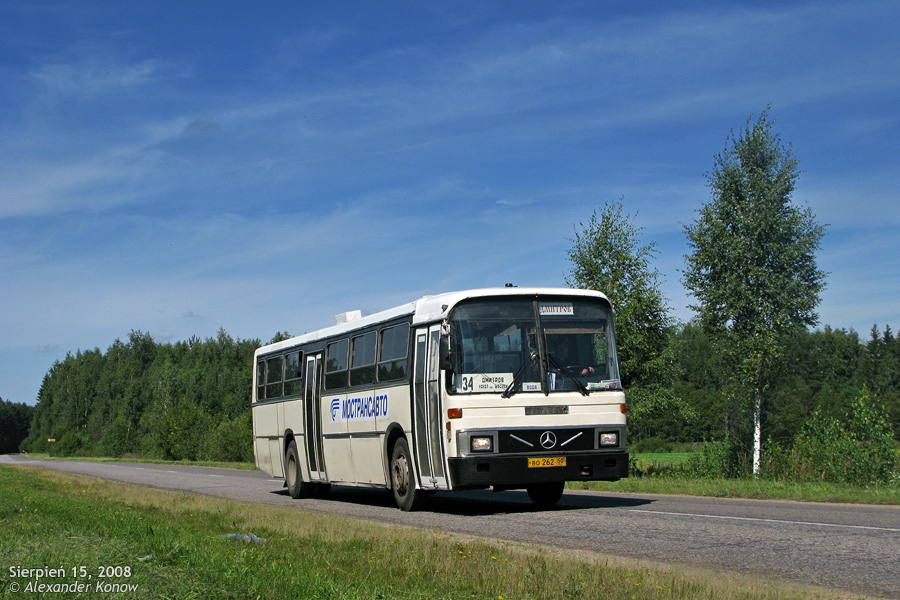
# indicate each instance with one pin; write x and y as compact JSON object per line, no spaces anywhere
{"x":15,"y":420}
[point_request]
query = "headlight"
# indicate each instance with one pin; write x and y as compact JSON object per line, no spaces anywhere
{"x":482,"y":444}
{"x":609,"y":439}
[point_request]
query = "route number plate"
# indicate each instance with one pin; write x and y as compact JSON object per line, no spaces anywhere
{"x":550,"y":461}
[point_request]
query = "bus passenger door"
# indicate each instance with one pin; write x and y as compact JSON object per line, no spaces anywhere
{"x":427,"y":409}
{"x":312,"y":416}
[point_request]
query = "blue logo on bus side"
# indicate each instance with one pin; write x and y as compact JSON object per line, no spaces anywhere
{"x":357,"y":408}
{"x":335,"y":407}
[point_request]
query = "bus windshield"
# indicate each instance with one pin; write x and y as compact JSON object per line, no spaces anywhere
{"x":511,"y":345}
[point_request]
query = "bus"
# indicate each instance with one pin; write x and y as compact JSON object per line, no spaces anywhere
{"x":504,"y":388}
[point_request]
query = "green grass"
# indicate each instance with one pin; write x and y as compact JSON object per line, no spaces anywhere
{"x":173,"y":547}
{"x":656,"y":480}
{"x":663,"y":459}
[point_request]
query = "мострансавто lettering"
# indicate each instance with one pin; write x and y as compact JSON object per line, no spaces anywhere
{"x":359,"y":407}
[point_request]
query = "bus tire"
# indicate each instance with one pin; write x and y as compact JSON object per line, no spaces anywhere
{"x":403,"y":481}
{"x":546,"y":494}
{"x":297,"y":488}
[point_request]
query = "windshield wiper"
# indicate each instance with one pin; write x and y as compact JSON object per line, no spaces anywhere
{"x":567,"y":375}
{"x":510,"y":389}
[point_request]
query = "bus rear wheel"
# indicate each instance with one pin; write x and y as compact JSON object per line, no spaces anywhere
{"x":546,"y":494}
{"x":403,"y":481}
{"x":297,"y":488}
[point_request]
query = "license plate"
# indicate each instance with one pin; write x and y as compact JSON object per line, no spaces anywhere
{"x":550,"y":461}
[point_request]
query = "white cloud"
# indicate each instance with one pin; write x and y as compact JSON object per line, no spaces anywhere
{"x":93,"y":77}
{"x":854,"y":198}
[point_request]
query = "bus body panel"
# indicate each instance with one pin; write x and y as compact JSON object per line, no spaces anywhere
{"x":336,"y":442}
{"x":399,"y":409}
{"x":266,"y":446}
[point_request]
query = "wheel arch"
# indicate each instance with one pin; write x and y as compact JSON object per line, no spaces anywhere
{"x":286,"y":440}
{"x":393,"y":433}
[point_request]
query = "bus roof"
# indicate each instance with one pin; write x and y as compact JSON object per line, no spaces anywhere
{"x":427,"y":309}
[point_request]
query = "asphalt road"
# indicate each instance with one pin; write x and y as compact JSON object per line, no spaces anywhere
{"x":847,"y":547}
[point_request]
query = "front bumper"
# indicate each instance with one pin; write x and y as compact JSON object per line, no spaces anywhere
{"x":513,"y":471}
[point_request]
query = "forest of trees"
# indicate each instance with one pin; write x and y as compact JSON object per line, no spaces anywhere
{"x":825,"y":370}
{"x":188,"y":400}
{"x":191,"y":399}
{"x":15,"y":420}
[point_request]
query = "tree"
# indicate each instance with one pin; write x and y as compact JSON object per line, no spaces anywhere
{"x":187,"y":400}
{"x":15,"y":419}
{"x":752,"y":266}
{"x":280,"y":336}
{"x":609,"y":256}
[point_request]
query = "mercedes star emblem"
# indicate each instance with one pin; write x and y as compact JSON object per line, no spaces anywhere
{"x":548,"y":440}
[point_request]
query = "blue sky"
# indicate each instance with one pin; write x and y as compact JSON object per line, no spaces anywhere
{"x":179,"y":167}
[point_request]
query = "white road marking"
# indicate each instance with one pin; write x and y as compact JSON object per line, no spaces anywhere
{"x":871,"y":528}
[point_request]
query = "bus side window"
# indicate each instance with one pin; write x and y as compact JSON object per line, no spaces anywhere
{"x":392,"y":359}
{"x":260,"y":381}
{"x":336,"y":364}
{"x":362,"y":359}
{"x":273,"y":377}
{"x":293,"y":374}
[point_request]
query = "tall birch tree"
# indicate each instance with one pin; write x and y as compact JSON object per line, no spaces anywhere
{"x":752,"y":264}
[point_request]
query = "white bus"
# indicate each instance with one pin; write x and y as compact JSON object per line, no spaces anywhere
{"x":508,"y":388}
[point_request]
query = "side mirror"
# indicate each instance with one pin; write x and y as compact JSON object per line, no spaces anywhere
{"x":444,"y":351}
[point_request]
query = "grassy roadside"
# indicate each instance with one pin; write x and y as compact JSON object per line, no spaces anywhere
{"x":757,"y":489}
{"x":170,"y":545}
{"x":655,"y":480}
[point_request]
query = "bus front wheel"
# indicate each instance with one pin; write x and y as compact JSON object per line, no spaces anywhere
{"x":546,"y":494}
{"x":403,"y":481}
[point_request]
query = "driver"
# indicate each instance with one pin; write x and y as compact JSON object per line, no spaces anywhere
{"x":560,"y":351}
